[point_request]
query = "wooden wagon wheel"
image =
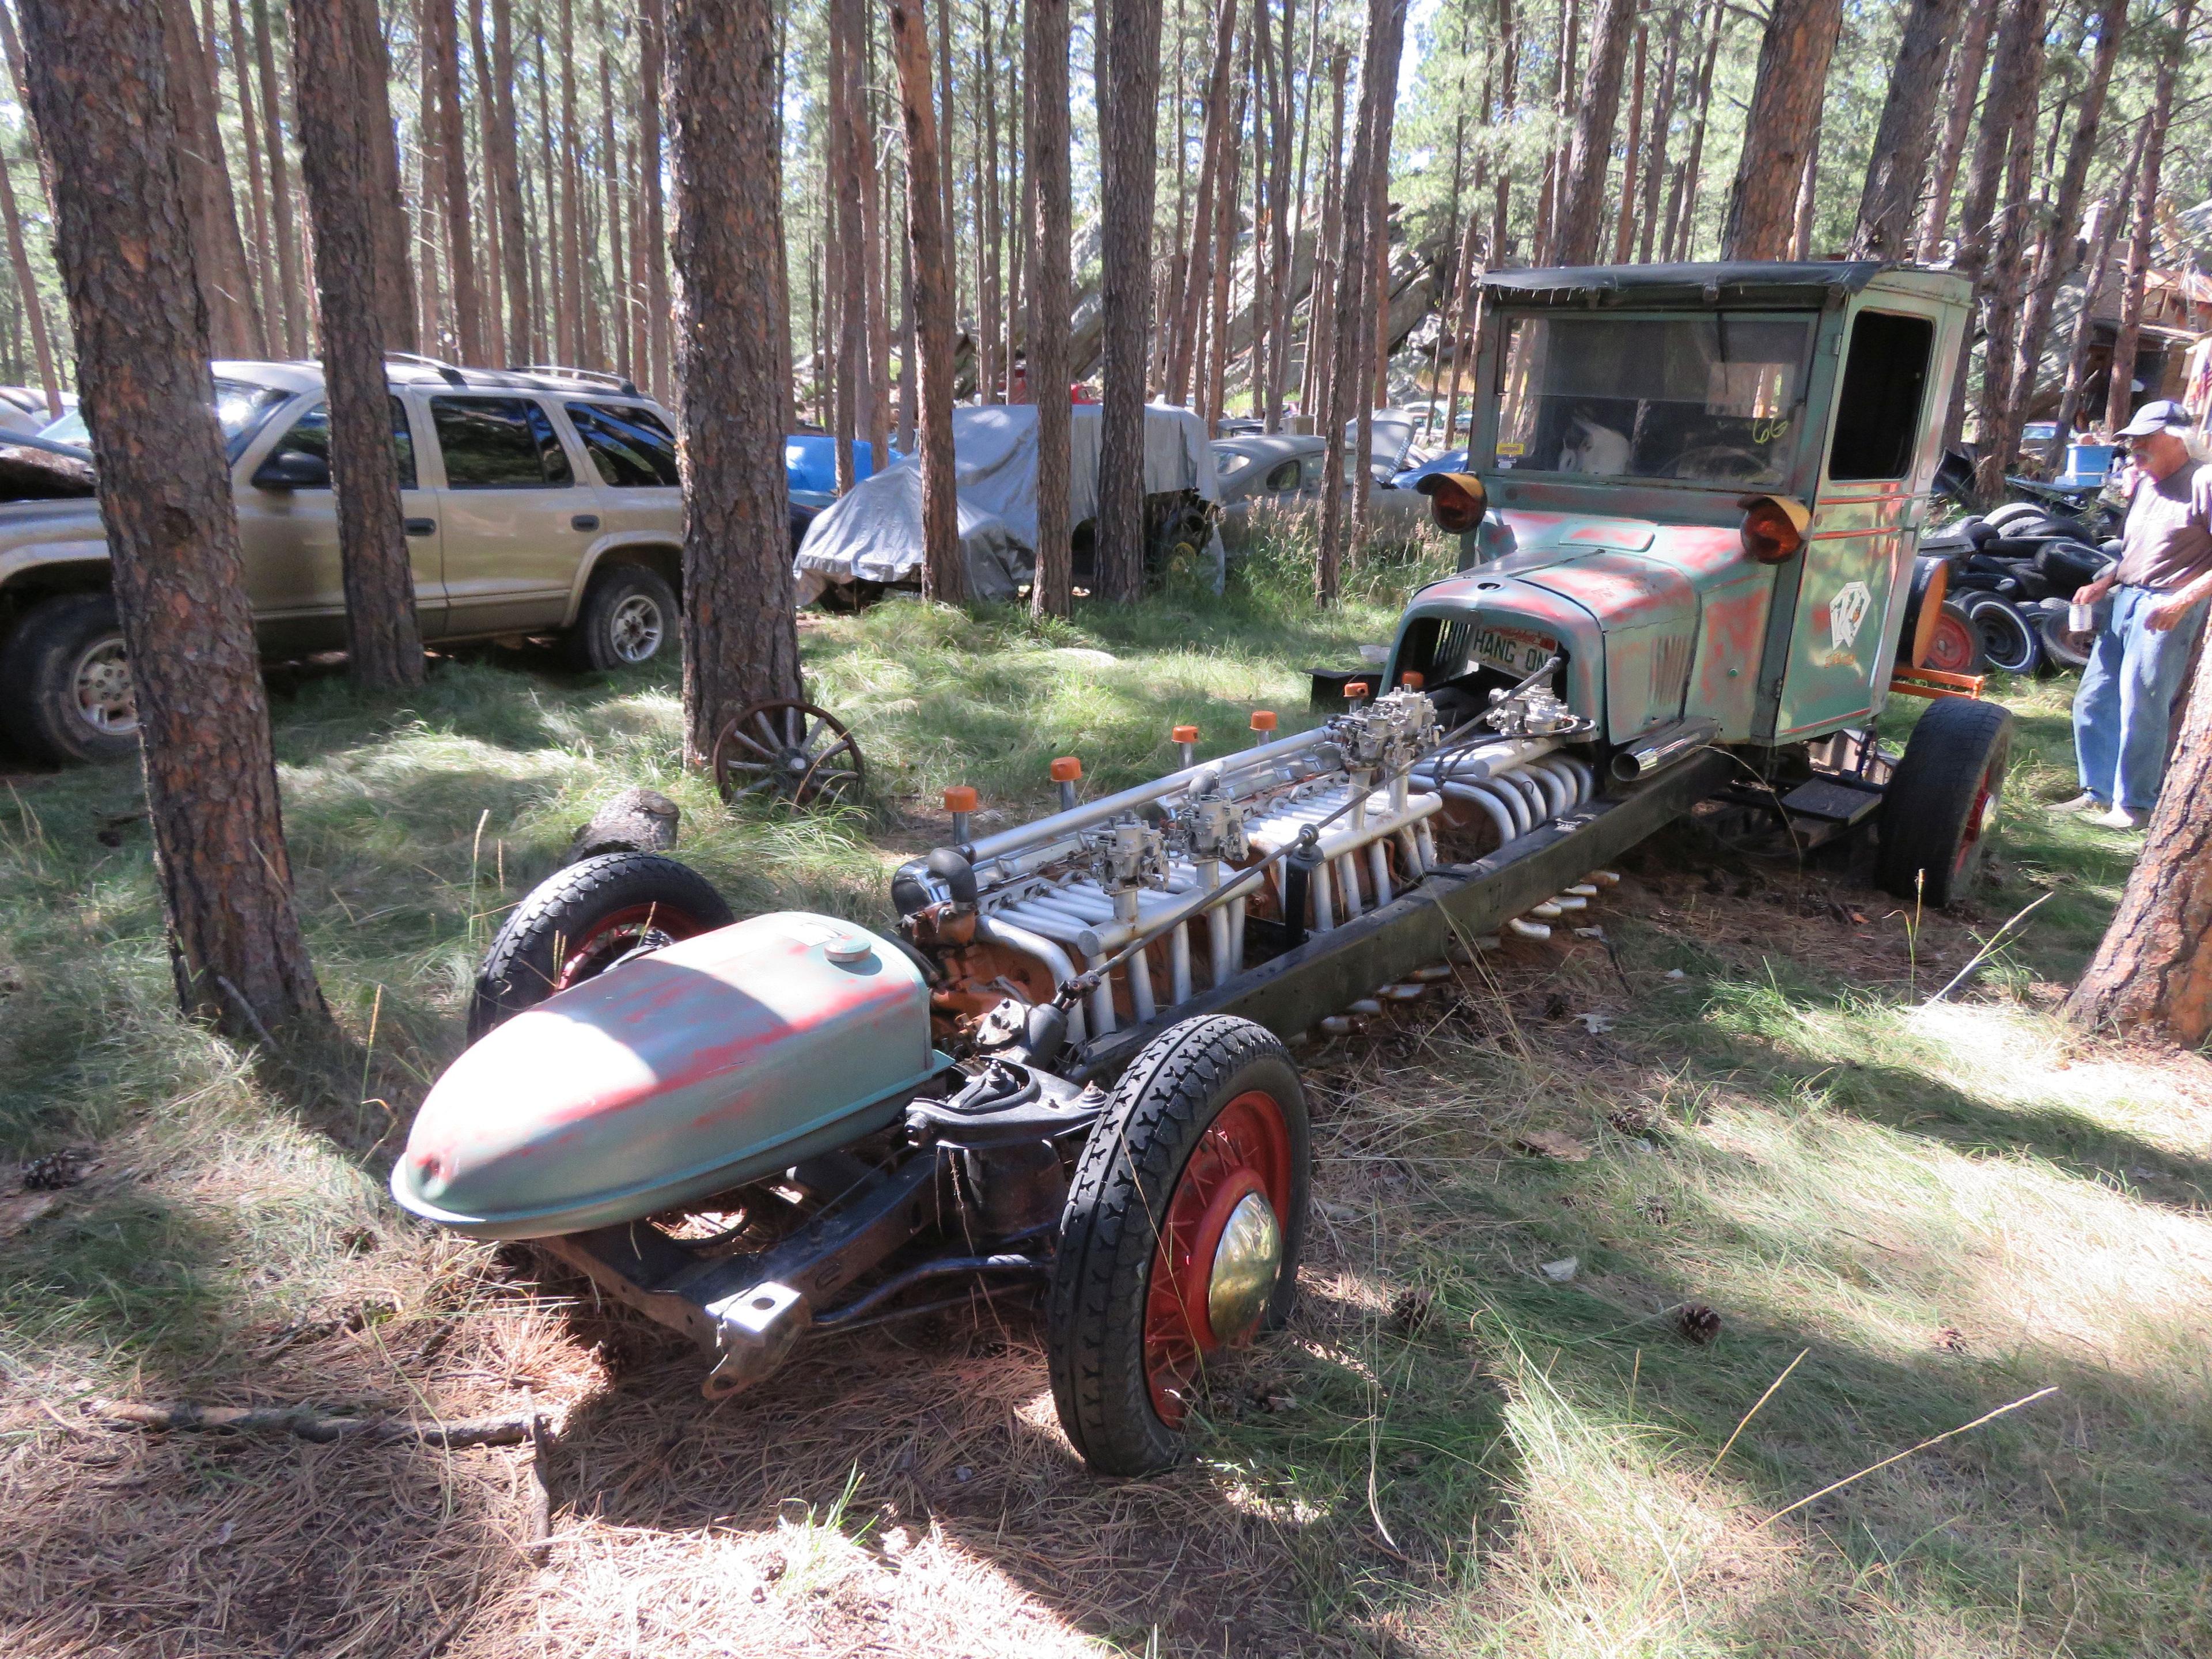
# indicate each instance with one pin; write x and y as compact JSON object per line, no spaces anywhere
{"x":789,"y":749}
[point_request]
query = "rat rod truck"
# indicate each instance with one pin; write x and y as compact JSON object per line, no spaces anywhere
{"x":1689,"y":534}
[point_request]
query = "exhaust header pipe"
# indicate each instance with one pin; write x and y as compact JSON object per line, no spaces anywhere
{"x":1655,"y":751}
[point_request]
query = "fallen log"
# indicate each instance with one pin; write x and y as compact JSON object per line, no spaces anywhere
{"x":310,"y":1425}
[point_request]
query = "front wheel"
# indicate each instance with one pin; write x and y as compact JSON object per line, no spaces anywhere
{"x":1941,"y":808}
{"x":1181,"y":1236}
{"x":65,"y":687}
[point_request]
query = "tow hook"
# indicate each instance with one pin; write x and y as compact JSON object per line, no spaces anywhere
{"x":755,"y":1331}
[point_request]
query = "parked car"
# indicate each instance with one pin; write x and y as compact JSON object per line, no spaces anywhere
{"x":1284,"y":471}
{"x":539,"y":503}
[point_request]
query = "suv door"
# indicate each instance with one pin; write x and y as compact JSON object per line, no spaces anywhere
{"x":640,"y":492}
{"x":289,"y":532}
{"x":515,"y":524}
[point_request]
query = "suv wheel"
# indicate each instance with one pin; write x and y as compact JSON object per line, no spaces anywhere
{"x":629,"y":618}
{"x":65,"y":686}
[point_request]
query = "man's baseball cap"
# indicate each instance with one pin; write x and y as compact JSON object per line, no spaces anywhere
{"x":2160,"y":415}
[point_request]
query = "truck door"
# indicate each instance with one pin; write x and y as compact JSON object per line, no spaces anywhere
{"x":640,"y":493}
{"x":289,"y":532}
{"x":1854,"y":574}
{"x":515,"y":522}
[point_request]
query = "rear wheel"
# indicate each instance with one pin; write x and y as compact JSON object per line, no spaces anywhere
{"x":2007,"y":639}
{"x":1179,"y":1239}
{"x":65,"y":687}
{"x":1941,"y":808}
{"x":1954,"y":646}
{"x":581,"y":921}
{"x":628,"y":619}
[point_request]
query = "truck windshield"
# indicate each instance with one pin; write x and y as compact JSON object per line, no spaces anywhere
{"x":1712,"y":399}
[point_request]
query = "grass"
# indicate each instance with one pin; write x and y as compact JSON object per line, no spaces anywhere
{"x":1919,"y":1212}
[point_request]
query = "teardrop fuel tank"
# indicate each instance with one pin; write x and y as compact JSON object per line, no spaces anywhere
{"x":712,"y":1062}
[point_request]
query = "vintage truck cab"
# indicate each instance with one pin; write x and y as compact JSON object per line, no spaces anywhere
{"x":1701,"y":487}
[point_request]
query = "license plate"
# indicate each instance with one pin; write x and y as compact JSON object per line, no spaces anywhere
{"x":1514,"y":651}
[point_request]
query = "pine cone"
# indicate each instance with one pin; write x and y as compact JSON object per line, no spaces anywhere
{"x":1697,"y":1323}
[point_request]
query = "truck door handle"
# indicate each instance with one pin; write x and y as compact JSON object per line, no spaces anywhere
{"x":422,"y":527}
{"x":585,"y":521}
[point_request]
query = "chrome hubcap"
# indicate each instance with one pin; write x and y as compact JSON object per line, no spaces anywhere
{"x":636,"y":628}
{"x":105,"y":700}
{"x":1245,"y":1265}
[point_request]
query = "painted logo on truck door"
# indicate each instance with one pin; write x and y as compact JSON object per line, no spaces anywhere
{"x":1846,"y":611}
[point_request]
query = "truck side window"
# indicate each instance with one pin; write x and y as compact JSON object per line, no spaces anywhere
{"x":1885,"y":378}
{"x":631,"y":446}
{"x":1284,"y":477}
{"x":498,"y":443}
{"x":310,"y":435}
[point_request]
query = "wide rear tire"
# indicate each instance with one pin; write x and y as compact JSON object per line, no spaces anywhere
{"x":628,"y":619}
{"x":1941,"y":809}
{"x":1181,"y":1236}
{"x":581,"y":921}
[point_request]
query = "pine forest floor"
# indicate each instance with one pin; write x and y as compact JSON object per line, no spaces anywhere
{"x":1911,"y":1211}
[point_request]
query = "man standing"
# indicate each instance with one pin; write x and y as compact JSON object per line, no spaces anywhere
{"x":2125,"y":707}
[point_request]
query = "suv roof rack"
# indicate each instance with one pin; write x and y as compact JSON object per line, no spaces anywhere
{"x":620,"y":383}
{"x":452,"y":375}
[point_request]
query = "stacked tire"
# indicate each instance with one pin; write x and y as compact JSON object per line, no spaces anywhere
{"x":2013,"y":576}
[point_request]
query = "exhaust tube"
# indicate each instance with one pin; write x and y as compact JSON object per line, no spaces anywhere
{"x":1655,"y":751}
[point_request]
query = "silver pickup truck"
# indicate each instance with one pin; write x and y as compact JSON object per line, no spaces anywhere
{"x":537,"y":502}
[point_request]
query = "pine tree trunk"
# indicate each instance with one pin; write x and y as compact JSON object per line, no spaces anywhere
{"x":2119,"y":398}
{"x":1346,"y":384}
{"x":249,"y":130}
{"x":1624,"y":229}
{"x":1129,"y":91}
{"x":944,"y":575}
{"x":337,"y":139}
{"x":444,"y":45}
{"x":864,"y":250}
{"x":1961,"y":93}
{"x":297,"y":322}
{"x":1320,"y":305}
{"x":503,"y":175}
{"x":1801,"y":239}
{"x":26,"y":285}
{"x":1045,"y":41}
{"x":1655,"y":159}
{"x":1780,"y":128}
{"x":99,"y":88}
{"x":430,"y":190}
{"x":218,"y":251}
{"x":992,"y":370}
{"x":576,"y":341}
{"x":610,"y":170}
{"x":1222,"y":260}
{"x":1283,"y":249}
{"x":2106,"y":220}
{"x":1199,"y":280}
{"x":1899,"y":161}
{"x":2151,"y":973}
{"x":1693,"y":168}
{"x":740,"y":633}
{"x":849,"y":329}
{"x":2057,"y":251}
{"x":1508,"y":54}
{"x":494,"y":267}
{"x":1581,"y":218}
{"x":653,"y":54}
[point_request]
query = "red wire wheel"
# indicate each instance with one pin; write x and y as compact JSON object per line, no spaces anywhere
{"x":792,"y":750}
{"x":581,"y":921}
{"x":1181,"y":1237}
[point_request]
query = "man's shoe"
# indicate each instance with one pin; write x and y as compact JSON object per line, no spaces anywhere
{"x":2084,"y":803}
{"x":2118,"y":818}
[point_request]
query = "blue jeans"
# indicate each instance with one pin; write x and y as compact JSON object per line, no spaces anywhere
{"x":2125,"y":705}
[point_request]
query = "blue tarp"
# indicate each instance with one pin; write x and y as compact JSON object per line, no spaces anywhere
{"x":810,"y":460}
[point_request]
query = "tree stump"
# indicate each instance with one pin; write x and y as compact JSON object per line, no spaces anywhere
{"x":635,"y":820}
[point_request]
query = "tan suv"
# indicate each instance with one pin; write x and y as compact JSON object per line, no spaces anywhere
{"x":537,"y":502}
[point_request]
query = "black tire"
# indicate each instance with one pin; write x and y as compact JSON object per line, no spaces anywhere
{"x":579,"y":921}
{"x":2069,"y":565}
{"x":1941,"y":808}
{"x":1956,"y":646}
{"x":2062,"y":647}
{"x":628,"y":619}
{"x":2009,"y":641}
{"x":64,"y":685}
{"x":2006,"y":518}
{"x":1127,"y":1180}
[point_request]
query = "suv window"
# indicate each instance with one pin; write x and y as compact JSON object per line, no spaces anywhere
{"x":1284,"y":477}
{"x":310,"y":435}
{"x":498,"y":443}
{"x":1878,"y":417}
{"x":632,"y":447}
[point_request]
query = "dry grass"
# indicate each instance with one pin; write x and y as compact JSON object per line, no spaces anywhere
{"x":1940,"y":1208}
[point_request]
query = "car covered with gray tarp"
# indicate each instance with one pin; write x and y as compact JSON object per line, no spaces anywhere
{"x":874,"y":533}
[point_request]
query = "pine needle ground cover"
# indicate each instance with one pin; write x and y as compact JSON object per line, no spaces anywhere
{"x":1576,"y":1215}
